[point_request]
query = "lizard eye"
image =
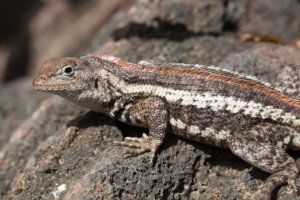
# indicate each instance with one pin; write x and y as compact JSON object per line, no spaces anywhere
{"x":68,"y":70}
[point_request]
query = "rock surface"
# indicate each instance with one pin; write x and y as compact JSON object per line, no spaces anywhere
{"x":52,"y":149}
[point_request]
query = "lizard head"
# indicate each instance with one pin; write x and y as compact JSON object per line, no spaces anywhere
{"x":74,"y":79}
{"x":61,"y":74}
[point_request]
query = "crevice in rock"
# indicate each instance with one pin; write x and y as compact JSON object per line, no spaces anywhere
{"x":163,"y":29}
{"x":229,"y":24}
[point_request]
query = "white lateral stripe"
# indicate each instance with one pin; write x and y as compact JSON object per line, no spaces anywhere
{"x":207,"y":100}
{"x":223,"y":134}
{"x":194,"y":130}
{"x":216,"y":103}
{"x":178,"y":123}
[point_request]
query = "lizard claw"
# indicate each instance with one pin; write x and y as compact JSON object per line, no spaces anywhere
{"x":138,"y":146}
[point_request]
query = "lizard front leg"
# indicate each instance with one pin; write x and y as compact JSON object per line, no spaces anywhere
{"x":267,"y":157}
{"x":152,"y":113}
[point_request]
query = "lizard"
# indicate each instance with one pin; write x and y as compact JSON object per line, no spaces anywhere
{"x":206,"y":104}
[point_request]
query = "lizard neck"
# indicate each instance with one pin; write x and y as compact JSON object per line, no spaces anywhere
{"x":91,"y":99}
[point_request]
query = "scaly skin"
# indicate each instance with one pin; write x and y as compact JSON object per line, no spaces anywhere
{"x":205,"y":104}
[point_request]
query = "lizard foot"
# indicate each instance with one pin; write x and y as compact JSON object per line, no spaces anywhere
{"x":138,"y":146}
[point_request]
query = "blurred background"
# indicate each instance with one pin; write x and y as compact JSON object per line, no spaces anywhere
{"x":34,"y":30}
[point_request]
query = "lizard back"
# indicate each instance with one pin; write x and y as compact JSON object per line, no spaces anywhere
{"x":204,"y":88}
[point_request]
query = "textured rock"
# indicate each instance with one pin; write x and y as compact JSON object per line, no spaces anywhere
{"x":270,"y":17}
{"x":198,"y":16}
{"x":264,"y":60}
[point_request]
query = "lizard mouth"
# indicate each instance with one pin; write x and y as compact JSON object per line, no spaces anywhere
{"x":53,"y":88}
{"x":48,"y":87}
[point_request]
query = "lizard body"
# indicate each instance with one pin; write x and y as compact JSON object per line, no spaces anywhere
{"x":206,"y":104}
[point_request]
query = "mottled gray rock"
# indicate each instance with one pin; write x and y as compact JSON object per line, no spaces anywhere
{"x":264,"y":60}
{"x":266,"y":17}
{"x":207,"y":50}
{"x":197,"y":16}
{"x":269,"y":17}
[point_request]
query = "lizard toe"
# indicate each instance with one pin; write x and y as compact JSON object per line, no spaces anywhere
{"x":139,"y":146}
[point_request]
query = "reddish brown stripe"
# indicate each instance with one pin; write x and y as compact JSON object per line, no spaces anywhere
{"x":127,"y":64}
{"x":206,"y":74}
